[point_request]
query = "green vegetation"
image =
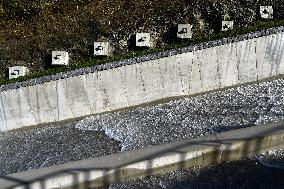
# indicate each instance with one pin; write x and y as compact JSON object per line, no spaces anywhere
{"x":31,"y":29}
{"x":88,"y":62}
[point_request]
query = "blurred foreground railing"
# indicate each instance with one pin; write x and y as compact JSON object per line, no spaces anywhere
{"x":100,"y":171}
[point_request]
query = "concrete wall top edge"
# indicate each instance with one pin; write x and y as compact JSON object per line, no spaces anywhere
{"x":144,"y":58}
{"x":152,"y":154}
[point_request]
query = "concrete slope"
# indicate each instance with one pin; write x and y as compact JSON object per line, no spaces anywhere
{"x":131,"y":85}
{"x":231,"y":145}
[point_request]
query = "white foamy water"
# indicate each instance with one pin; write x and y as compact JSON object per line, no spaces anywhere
{"x":192,"y":117}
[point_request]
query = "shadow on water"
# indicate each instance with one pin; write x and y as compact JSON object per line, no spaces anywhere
{"x":242,"y":174}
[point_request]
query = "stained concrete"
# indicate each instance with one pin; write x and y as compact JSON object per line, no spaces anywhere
{"x":131,"y":85}
{"x":231,"y":145}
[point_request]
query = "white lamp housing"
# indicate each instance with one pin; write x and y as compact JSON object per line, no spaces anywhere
{"x":60,"y":58}
{"x":266,"y":12}
{"x":101,"y":48}
{"x":143,"y":40}
{"x":184,"y":31}
{"x":227,"y":25}
{"x":17,"y":71}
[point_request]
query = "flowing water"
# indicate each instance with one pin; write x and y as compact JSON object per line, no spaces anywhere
{"x":141,"y":127}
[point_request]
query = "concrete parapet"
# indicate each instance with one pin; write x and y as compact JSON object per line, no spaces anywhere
{"x":212,"y":149}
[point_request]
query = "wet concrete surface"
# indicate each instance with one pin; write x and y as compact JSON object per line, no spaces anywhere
{"x":141,"y":127}
{"x":247,"y":173}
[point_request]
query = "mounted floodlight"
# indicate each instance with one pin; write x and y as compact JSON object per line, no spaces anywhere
{"x":143,"y":40}
{"x":101,"y":48}
{"x":184,"y":31}
{"x":17,"y":71}
{"x":227,"y":25}
{"x":266,"y":12}
{"x":60,"y":58}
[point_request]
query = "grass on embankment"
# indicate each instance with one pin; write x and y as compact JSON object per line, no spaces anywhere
{"x":174,"y":45}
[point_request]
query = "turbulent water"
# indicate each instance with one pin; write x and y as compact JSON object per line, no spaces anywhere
{"x":43,"y":147}
{"x":141,"y":127}
{"x":192,"y":117}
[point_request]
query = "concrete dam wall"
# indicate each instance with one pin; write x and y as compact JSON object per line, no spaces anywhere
{"x":131,"y":85}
